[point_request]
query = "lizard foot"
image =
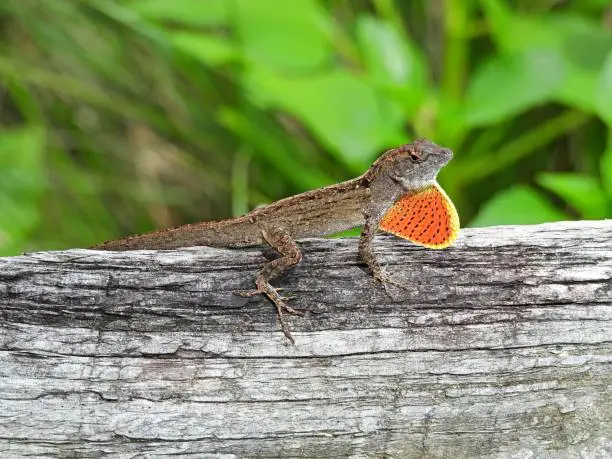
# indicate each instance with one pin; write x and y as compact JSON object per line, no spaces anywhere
{"x":279,"y":301}
{"x":380,"y":274}
{"x":248,"y":293}
{"x":255,"y":291}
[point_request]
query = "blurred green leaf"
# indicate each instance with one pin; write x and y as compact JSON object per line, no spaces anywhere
{"x":387,"y":56}
{"x":567,"y":35}
{"x":512,"y":87}
{"x":604,"y":91}
{"x":343,"y":111}
{"x":517,"y":205}
{"x":594,"y":4}
{"x":575,"y":34}
{"x":76,"y":199}
{"x":579,"y":88}
{"x":254,"y":134}
{"x":211,"y":50}
{"x":606,"y":170}
{"x":194,"y":12}
{"x":392,"y":62}
{"x":506,"y":85}
{"x":513,"y":32}
{"x":273,"y":38}
{"x":240,"y":181}
{"x":474,"y":168}
{"x":22,"y":184}
{"x":582,"y":192}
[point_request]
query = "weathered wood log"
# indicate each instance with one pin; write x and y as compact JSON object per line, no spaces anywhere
{"x":500,"y":347}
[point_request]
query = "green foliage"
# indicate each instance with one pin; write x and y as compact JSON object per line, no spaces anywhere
{"x":606,"y":171}
{"x":22,"y":184}
{"x":125,"y":115}
{"x":583,"y":192}
{"x":518,"y":204}
{"x":506,"y":85}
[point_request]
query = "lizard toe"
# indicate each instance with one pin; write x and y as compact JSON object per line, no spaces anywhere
{"x":248,"y":293}
{"x":293,"y":311}
{"x":381,"y":276}
{"x":287,"y":298}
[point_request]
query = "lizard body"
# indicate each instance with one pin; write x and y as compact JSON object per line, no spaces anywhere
{"x":397,"y":194}
{"x":321,"y":212}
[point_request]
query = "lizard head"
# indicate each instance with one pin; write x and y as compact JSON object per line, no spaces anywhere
{"x":412,"y":166}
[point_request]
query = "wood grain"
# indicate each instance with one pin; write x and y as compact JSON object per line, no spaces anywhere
{"x":500,"y":347}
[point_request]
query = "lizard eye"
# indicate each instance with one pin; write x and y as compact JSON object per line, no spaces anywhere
{"x":414,"y":156}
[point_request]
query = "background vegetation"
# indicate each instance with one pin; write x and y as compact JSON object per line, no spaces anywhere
{"x":120,"y":116}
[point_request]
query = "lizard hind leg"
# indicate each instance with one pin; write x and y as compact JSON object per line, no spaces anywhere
{"x":284,"y":244}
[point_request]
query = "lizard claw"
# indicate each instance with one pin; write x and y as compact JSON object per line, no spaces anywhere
{"x":279,"y":302}
{"x":256,"y":291}
{"x":380,"y":274}
{"x":248,"y":293}
{"x":293,"y":311}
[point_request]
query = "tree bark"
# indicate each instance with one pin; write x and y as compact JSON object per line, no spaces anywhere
{"x":498,"y":347}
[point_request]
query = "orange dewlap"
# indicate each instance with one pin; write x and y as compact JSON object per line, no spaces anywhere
{"x":427,"y":218}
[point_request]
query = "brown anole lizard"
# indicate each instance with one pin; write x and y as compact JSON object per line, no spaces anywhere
{"x":398,"y":194}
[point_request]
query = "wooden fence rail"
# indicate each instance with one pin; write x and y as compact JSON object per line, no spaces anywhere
{"x":500,"y":347}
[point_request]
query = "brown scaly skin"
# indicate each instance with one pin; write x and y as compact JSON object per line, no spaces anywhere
{"x":360,"y":201}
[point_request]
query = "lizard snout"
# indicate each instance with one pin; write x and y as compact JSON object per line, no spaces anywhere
{"x":446,"y":153}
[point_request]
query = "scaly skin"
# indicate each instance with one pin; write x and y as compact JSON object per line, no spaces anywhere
{"x":361,"y":201}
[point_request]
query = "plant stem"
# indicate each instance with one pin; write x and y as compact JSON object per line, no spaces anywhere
{"x":455,"y":49}
{"x":240,"y":181}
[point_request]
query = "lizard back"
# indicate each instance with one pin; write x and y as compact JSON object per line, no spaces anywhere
{"x":314,"y":213}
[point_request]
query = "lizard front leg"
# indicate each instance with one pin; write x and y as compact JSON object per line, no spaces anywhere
{"x":366,"y":252}
{"x":284,"y":244}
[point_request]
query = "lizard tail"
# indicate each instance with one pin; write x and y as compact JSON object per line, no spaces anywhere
{"x":225,"y":233}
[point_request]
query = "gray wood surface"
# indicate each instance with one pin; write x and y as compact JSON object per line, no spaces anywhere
{"x":501,"y":347}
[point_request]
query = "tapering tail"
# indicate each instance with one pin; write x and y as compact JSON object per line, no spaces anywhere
{"x":239,"y":232}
